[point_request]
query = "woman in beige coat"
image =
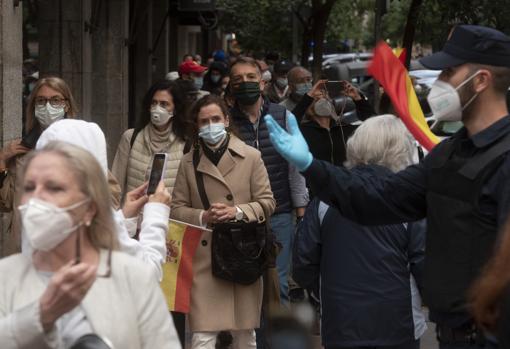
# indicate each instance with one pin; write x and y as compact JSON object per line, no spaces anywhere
{"x":237,"y":186}
{"x":73,"y":284}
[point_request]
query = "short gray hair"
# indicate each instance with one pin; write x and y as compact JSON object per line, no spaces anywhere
{"x":381,"y":140}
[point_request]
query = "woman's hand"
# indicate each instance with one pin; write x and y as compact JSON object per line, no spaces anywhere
{"x":12,"y":149}
{"x":66,"y":289}
{"x":351,"y":91}
{"x":317,"y":90}
{"x":218,"y":213}
{"x":161,"y":195}
{"x":135,"y":199}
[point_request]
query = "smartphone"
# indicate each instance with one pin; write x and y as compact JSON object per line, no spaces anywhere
{"x":157,"y":172}
{"x":336,"y":88}
{"x":30,"y":139}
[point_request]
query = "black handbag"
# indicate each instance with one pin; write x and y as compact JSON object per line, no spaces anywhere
{"x":239,"y":250}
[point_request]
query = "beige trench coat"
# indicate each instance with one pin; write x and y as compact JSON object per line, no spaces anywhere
{"x":240,"y":179}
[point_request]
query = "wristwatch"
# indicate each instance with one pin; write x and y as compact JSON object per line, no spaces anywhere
{"x":239,"y":214}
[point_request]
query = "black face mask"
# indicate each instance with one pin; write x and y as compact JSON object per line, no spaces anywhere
{"x":247,"y":93}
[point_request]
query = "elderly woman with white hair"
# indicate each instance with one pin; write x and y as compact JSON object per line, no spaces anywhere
{"x":364,"y":275}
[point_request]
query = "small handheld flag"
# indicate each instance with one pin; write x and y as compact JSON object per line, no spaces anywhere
{"x":181,"y":242}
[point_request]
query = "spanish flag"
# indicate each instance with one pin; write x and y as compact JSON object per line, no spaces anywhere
{"x":392,"y":75}
{"x":181,"y":243}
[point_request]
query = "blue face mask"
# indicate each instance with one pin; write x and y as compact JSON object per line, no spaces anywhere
{"x":215,"y":78}
{"x":302,"y":89}
{"x":212,"y":133}
{"x":198,"y":82}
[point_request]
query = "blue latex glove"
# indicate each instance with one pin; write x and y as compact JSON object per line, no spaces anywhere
{"x":292,"y":146}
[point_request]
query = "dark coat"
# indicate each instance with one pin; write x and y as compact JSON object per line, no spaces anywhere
{"x":361,"y":273}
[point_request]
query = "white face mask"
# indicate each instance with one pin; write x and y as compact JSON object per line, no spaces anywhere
{"x":46,"y":225}
{"x":444,"y":100}
{"x":282,"y":83}
{"x":266,"y":76}
{"x":160,"y":116}
{"x":47,"y":114}
{"x":324,"y":108}
{"x":212,"y":133}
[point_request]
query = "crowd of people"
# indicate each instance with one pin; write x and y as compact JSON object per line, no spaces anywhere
{"x":361,"y":227}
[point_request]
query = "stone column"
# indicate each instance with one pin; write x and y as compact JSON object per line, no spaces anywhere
{"x":85,"y":44}
{"x":11,"y":57}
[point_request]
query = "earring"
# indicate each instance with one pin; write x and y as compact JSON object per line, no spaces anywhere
{"x":87,"y":224}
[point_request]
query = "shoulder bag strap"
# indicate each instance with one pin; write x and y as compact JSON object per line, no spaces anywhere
{"x":200,"y":179}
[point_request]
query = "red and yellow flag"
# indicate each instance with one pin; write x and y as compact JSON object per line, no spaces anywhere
{"x":392,"y":75}
{"x":181,"y":243}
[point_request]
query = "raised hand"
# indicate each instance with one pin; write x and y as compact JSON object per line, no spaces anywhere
{"x":292,"y":146}
{"x":317,"y":90}
{"x":66,"y":289}
{"x":135,"y":199}
{"x":161,"y":195}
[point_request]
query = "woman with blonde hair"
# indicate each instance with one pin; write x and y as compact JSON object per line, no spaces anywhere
{"x":50,"y":100}
{"x":75,"y":285}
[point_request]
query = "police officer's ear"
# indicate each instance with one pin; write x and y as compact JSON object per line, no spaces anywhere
{"x":483,"y":80}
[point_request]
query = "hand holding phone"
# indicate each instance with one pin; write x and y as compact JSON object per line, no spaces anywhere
{"x":157,"y":172}
{"x":317,"y":90}
{"x":30,"y":139}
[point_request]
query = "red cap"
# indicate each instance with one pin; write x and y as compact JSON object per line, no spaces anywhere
{"x":191,"y":67}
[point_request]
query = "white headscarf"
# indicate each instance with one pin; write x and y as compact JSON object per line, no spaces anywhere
{"x":86,"y":135}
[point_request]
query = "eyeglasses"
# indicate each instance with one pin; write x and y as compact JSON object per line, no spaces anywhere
{"x":77,"y":260}
{"x":162,"y":104}
{"x":54,"y":101}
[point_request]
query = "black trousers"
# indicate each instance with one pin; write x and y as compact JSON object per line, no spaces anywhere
{"x":180,"y":325}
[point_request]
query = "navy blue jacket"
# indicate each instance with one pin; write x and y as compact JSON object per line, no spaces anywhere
{"x":363,"y":274}
{"x":277,"y":167}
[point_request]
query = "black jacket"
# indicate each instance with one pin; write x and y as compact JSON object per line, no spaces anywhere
{"x":363,"y":274}
{"x":327,"y":144}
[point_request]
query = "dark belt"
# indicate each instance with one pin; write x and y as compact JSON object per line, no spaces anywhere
{"x":468,"y":334}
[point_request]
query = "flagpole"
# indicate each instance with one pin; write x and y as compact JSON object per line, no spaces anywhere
{"x":191,"y":225}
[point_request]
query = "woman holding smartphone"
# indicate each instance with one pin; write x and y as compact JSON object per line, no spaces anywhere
{"x":237,"y":186}
{"x":161,"y":129}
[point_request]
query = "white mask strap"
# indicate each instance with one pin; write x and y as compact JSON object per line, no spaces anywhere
{"x":467,"y":80}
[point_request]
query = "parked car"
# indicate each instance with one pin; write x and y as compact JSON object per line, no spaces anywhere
{"x":336,"y":58}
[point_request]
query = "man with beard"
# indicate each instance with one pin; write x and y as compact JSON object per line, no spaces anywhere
{"x":461,"y":187}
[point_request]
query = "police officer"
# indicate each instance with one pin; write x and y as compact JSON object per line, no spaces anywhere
{"x":462,"y":187}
